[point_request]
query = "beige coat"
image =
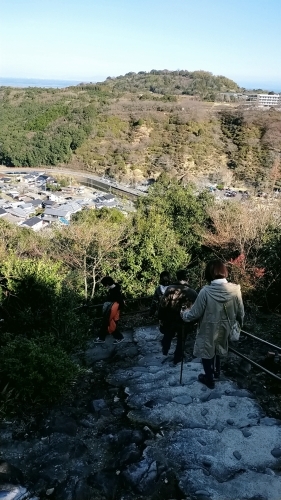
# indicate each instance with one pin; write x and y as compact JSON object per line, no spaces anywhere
{"x":213,"y":325}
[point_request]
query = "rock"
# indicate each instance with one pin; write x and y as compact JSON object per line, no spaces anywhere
{"x":276,"y":452}
{"x":232,"y":404}
{"x":129,"y":454}
{"x":148,"y":431}
{"x":50,"y":491}
{"x":219,"y":427}
{"x":105,"y":481}
{"x":150,"y":403}
{"x":127,"y":436}
{"x":10,"y":474}
{"x":82,"y":490}
{"x":11,"y":492}
{"x":253,"y":415}
{"x":204,"y":412}
{"x":207,"y":462}
{"x":202,"y":493}
{"x":270,"y":421}
{"x":230,"y":421}
{"x":237,"y":455}
{"x":141,"y":475}
{"x":245,"y":367}
{"x":212,"y":395}
{"x":97,"y":405}
{"x":269,"y":472}
{"x":64,"y":425}
{"x":182,"y":400}
{"x":78,"y":450}
{"x":246,"y":433}
{"x":87,"y":424}
{"x":202,"y":442}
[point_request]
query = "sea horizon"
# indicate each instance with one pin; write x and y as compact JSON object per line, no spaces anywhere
{"x":37,"y":82}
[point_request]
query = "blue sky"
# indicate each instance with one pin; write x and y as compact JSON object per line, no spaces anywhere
{"x":88,"y":40}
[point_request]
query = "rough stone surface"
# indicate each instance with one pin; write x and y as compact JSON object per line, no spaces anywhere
{"x":10,"y":492}
{"x":177,"y":440}
{"x":202,"y":438}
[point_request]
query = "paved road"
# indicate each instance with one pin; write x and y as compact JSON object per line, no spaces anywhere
{"x":97,"y":181}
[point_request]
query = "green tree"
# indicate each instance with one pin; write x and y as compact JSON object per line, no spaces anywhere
{"x":152,"y":246}
{"x":185,"y":211}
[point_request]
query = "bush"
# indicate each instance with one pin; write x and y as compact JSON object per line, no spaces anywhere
{"x":37,"y":371}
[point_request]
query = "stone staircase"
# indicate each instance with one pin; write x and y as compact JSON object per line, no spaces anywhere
{"x":219,"y":442}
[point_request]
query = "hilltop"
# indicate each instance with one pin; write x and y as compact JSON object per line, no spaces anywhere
{"x":137,"y":126}
{"x":196,"y":83}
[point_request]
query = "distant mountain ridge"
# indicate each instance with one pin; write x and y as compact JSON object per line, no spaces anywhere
{"x":137,"y":126}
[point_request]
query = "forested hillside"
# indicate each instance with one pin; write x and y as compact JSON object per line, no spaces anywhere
{"x":141,"y":125}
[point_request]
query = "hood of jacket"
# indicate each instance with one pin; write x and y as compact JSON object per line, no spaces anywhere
{"x":222,"y":292}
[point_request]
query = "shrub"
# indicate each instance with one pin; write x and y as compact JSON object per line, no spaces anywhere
{"x":37,"y":371}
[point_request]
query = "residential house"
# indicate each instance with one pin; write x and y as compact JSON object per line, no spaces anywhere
{"x":17,"y":212}
{"x":27,"y":207}
{"x":72,"y":207}
{"x":30,"y":178}
{"x":2,"y":212}
{"x":36,"y":203}
{"x":109,"y":197}
{"x":49,"y":203}
{"x":45,"y":179}
{"x":56,"y":213}
{"x":56,"y":197}
{"x":13,"y":219}
{"x":13,"y":194}
{"x":106,"y":200}
{"x":34,"y":223}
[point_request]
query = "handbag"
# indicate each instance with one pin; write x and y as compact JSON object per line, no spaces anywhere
{"x":234,"y":329}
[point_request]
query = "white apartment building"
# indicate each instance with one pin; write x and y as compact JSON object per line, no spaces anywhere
{"x":265,"y":99}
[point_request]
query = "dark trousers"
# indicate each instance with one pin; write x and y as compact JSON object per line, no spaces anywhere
{"x":210,"y":366}
{"x":116,"y":334}
{"x":181,"y":338}
{"x":169,"y":331}
{"x":183,"y":331}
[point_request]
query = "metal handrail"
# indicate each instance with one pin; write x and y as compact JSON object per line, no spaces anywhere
{"x":132,"y":313}
{"x":261,"y":340}
{"x":148,"y":297}
{"x":254,"y":364}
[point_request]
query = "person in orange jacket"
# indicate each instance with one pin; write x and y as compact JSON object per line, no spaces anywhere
{"x":111,"y":311}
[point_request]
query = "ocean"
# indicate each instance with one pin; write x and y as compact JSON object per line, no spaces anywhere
{"x":36,"y":82}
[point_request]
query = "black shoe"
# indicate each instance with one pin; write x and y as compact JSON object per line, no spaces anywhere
{"x":118,"y":341}
{"x":217,"y":375}
{"x":98,"y":340}
{"x":204,"y":380}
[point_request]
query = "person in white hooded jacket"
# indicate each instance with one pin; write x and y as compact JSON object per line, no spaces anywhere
{"x":217,"y":308}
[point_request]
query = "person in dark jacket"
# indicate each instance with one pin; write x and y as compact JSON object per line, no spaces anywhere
{"x":164,"y":282}
{"x":111,"y":311}
{"x":177,"y":297}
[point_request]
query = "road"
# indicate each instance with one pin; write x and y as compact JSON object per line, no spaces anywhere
{"x":84,"y":177}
